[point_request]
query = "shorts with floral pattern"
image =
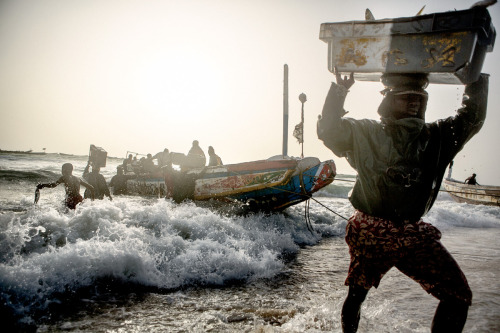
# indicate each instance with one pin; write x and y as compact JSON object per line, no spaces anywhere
{"x":376,"y":245}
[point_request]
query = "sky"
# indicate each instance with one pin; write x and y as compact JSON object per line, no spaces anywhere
{"x":146,"y":75}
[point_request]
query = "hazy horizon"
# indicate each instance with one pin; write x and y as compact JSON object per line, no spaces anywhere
{"x":144,"y":76}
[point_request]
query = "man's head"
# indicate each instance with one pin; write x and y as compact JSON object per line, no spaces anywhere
{"x":404,"y":97}
{"x":211,"y":150}
{"x":196,"y":143}
{"x":67,"y":169}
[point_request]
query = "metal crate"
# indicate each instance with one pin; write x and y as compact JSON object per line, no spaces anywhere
{"x":450,"y":47}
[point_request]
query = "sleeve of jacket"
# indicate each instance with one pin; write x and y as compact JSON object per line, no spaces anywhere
{"x":332,"y":129}
{"x":470,"y":117}
{"x":475,"y":104}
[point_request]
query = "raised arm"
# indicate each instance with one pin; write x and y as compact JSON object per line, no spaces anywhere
{"x":334,"y":131}
{"x":333,"y":109}
{"x":468,"y":120}
{"x":86,"y":170}
{"x":475,"y":103}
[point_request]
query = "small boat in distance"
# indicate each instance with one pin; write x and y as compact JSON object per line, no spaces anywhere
{"x":31,"y":152}
{"x":472,"y":194}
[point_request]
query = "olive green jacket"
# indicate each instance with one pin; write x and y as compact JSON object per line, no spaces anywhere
{"x":400,"y":163}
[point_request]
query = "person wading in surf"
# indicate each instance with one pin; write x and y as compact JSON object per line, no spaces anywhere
{"x":400,"y":162}
{"x":97,"y":181}
{"x":71,"y":185}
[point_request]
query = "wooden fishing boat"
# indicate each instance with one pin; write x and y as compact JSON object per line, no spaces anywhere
{"x":473,"y":194}
{"x":268,"y":185}
{"x":264,"y":185}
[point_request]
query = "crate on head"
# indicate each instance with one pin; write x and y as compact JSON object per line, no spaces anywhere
{"x":97,"y":156}
{"x":448,"y":47}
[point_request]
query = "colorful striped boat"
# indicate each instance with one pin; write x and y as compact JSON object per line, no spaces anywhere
{"x":269,"y":185}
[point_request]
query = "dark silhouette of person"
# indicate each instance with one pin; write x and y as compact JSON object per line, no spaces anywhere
{"x":196,"y":157}
{"x":71,"y":185}
{"x":471,"y":180}
{"x":401,"y":161}
{"x":165,"y":164}
{"x":148,"y":165}
{"x":119,"y":181}
{"x":214,"y":158}
{"x":163,"y":158}
{"x":128,"y":164}
{"x":97,"y":180}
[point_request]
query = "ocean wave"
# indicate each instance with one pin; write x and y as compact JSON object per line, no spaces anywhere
{"x":446,"y":214}
{"x":47,"y":252}
{"x":19,"y":175}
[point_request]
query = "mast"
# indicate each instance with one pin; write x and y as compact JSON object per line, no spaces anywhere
{"x":285,"y":111}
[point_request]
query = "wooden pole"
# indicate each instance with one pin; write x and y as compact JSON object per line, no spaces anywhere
{"x":285,"y":111}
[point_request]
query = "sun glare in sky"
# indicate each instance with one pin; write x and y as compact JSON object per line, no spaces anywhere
{"x":146,"y":75}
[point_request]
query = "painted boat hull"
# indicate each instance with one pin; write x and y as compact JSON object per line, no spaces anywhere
{"x":269,"y":185}
{"x":473,"y":194}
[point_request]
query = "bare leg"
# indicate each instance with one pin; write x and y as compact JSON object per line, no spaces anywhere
{"x":450,"y":317}
{"x":351,"y":311}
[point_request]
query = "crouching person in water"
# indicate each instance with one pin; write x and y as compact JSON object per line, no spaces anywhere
{"x":71,"y":185}
{"x":400,"y":162}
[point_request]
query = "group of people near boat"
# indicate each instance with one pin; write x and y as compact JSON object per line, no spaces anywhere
{"x":400,"y":161}
{"x":96,"y":186}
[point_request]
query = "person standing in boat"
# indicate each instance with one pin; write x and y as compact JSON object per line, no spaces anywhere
{"x":196,"y":157}
{"x":471,"y":180}
{"x":400,"y":162}
{"x":214,"y":160}
{"x":71,"y":185}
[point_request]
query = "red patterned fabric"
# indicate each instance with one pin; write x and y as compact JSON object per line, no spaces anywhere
{"x":376,"y":245}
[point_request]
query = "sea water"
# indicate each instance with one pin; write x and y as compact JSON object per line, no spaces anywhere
{"x":138,"y":264}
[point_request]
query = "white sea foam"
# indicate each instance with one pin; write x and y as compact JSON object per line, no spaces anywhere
{"x":163,"y":245}
{"x":446,"y":214}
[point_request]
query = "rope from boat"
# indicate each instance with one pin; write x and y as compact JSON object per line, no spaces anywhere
{"x":309,"y":196}
{"x":441,"y":190}
{"x":308,"y":218}
{"x":315,"y":200}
